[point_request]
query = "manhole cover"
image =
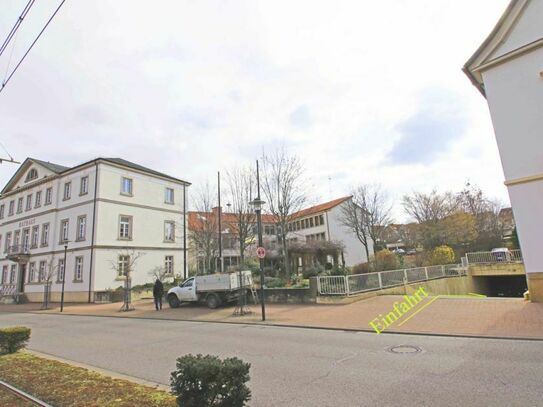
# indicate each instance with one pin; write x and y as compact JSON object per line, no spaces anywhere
{"x":404,"y":349}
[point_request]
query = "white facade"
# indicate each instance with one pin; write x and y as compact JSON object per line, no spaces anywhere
{"x":508,"y":69}
{"x":104,"y":220}
{"x":323,"y":222}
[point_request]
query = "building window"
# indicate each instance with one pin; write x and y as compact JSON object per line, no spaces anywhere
{"x":81,"y":227}
{"x":11,"y":207}
{"x":125,"y":227}
{"x":78,"y":271}
{"x":64,"y":229}
{"x":45,"y":234}
{"x":84,"y":188}
{"x":4,"y":274}
{"x":20,"y":205}
{"x":67,"y":191}
{"x":26,"y":239}
{"x":48,"y":196}
{"x":16,"y":237}
{"x":321,"y":218}
{"x":41,"y":273}
{"x":35,"y":236}
{"x":169,"y":231}
{"x":122,"y":267}
{"x":37,"y":203}
{"x":28,"y":202}
{"x":168,"y":195}
{"x":61,"y":269}
{"x":168,"y":265}
{"x":32,"y":272}
{"x":8,"y":242}
{"x":2,"y":211}
{"x":32,"y":174}
{"x":126,"y":186}
{"x":13,"y":274}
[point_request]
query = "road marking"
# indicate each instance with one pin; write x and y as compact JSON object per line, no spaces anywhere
{"x":417,"y":311}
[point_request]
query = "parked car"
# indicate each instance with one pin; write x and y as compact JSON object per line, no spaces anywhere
{"x":501,"y":254}
{"x":212,"y":289}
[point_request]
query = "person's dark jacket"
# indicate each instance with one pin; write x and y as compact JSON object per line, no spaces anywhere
{"x":158,"y":289}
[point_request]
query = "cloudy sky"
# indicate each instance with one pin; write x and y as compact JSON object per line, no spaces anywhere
{"x":364,"y":91}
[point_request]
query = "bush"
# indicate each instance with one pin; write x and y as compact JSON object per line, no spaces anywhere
{"x":338,"y":271}
{"x":209,"y":381}
{"x":361,"y":268}
{"x":313,"y":271}
{"x":441,"y":255}
{"x":385,"y":260}
{"x":273,"y":282}
{"x":13,"y":339}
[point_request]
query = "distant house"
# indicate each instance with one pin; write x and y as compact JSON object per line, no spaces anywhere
{"x":322,"y":223}
{"x":202,"y":223}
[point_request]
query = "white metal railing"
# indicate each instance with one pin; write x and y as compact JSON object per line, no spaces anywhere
{"x":358,"y":283}
{"x":8,"y":289}
{"x":505,"y":256}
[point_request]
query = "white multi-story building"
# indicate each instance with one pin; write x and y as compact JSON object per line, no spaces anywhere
{"x":323,"y":223}
{"x":98,"y":213}
{"x":508,"y":70}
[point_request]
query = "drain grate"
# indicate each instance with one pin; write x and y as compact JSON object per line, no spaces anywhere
{"x":404,"y":349}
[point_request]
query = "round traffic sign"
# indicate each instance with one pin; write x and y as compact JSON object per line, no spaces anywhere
{"x":260,"y":252}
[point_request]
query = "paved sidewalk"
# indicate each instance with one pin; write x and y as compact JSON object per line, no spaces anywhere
{"x":491,"y":317}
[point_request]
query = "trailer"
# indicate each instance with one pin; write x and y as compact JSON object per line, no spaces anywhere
{"x":211,"y":289}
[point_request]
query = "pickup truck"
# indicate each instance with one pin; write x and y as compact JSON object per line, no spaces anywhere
{"x":212,"y":289}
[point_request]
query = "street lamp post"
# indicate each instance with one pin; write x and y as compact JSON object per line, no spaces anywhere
{"x":257,"y":205}
{"x":63,"y":277}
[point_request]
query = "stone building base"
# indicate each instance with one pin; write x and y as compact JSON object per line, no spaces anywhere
{"x":535,"y":286}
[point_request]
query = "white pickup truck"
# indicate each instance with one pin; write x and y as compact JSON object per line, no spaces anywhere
{"x":213,"y":289}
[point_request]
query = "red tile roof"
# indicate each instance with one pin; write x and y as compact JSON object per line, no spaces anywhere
{"x":228,"y":220}
{"x":323,"y":207}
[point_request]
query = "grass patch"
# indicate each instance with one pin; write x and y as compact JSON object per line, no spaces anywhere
{"x":8,"y":399}
{"x":60,"y":384}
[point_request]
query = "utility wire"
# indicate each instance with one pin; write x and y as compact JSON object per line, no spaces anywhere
{"x":16,"y":26}
{"x":32,"y":45}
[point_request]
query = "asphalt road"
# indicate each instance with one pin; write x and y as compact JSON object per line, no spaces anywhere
{"x":306,"y":367}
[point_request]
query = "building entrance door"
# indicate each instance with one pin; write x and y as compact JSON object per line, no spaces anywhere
{"x":22,"y":277}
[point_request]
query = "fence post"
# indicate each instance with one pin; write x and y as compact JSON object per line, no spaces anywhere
{"x":380,"y":280}
{"x":405,"y":275}
{"x":319,"y":284}
{"x":443,"y":270}
{"x":426,"y":272}
{"x":346,"y":285}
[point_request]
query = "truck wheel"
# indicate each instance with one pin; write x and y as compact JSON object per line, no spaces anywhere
{"x":173,"y":301}
{"x":212,"y":301}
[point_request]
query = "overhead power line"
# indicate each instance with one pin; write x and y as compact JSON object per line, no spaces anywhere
{"x":16,"y":26}
{"x":31,"y":46}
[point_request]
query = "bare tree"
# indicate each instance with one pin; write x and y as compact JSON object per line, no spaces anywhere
{"x":158,"y":272}
{"x":203,"y":228}
{"x":284,"y":187}
{"x":241,"y":185}
{"x":124,"y":265}
{"x":429,"y":210}
{"x":367,"y":214}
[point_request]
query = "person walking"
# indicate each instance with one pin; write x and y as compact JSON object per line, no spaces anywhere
{"x":158,"y":292}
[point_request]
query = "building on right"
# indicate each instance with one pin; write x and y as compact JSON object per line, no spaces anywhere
{"x":508,"y":71}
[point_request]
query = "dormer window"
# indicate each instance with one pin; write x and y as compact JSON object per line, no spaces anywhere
{"x":32,"y":175}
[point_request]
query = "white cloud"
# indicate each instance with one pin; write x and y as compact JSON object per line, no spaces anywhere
{"x":190,"y":88}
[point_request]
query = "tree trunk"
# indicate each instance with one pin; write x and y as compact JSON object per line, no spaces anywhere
{"x":285,"y":256}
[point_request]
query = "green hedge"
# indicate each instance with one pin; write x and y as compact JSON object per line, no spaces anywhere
{"x":13,"y":339}
{"x":209,"y":381}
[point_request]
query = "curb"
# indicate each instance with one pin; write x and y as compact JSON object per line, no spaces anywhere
{"x":361,"y":330}
{"x":21,"y":394}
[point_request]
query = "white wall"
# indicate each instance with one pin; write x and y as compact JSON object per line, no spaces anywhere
{"x":354,"y":251}
{"x":515,"y":96}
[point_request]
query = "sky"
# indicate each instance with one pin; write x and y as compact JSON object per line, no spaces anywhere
{"x":363,"y":91}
